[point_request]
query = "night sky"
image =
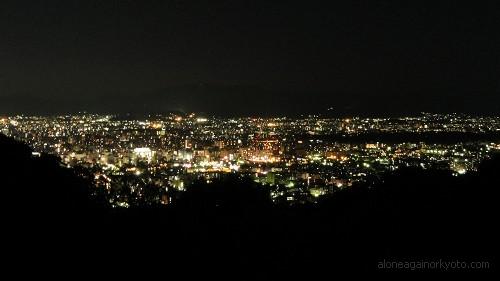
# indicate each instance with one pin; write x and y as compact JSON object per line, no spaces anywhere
{"x":249,"y":57}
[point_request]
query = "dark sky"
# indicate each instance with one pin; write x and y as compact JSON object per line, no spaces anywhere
{"x":249,"y":57}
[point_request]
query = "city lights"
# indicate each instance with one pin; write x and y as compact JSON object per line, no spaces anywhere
{"x":173,"y":150}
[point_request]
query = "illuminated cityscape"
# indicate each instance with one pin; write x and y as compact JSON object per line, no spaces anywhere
{"x":298,"y":159}
{"x":249,"y":140}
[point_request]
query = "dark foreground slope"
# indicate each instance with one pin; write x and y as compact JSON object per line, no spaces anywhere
{"x":51,"y":222}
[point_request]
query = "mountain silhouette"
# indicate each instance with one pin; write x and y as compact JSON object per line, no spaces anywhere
{"x":412,"y":214}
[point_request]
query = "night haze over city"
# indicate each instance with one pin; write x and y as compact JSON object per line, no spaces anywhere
{"x":270,"y":138}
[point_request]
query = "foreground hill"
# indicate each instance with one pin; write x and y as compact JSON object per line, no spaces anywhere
{"x":412,"y":215}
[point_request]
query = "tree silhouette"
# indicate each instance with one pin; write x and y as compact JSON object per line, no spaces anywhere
{"x":41,"y":183}
{"x":229,"y":192}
